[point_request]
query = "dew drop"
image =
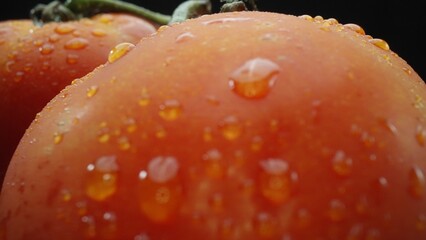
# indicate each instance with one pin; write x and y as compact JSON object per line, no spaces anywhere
{"x":226,"y":20}
{"x":421,"y":135}
{"x":160,"y":133}
{"x":265,"y":225}
{"x":231,"y":128}
{"x":99,"y":32}
{"x":159,"y":189}
{"x":213,"y":164}
{"x":306,"y":17}
{"x":417,"y":182}
{"x":64,"y":28}
{"x":66,"y":195}
{"x":19,"y":75}
{"x":38,"y":42}
{"x":105,"y":18}
{"x":170,"y":110}
{"x":162,"y":169}
{"x":102,"y":178}
{"x":54,"y":38}
{"x":276,"y":180}
{"x":342,"y":165}
{"x":207,"y":134}
{"x":336,"y":210}
{"x":254,"y":78}
{"x":72,"y":59}
{"x":46,"y":49}
{"x":421,"y":222}
{"x":57,"y":138}
{"x":256,"y":143}
{"x":144,"y":98}
{"x":123,"y":143}
{"x":76,"y":43}
{"x":380,"y":43}
{"x":89,"y":226}
{"x":354,"y":27}
{"x":184,"y":37}
{"x":91,"y":91}
{"x":119,"y":51}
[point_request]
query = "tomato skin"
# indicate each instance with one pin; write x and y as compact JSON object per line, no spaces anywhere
{"x":168,"y":143}
{"x":37,"y":62}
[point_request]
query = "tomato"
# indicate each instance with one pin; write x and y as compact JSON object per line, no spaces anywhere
{"x":37,"y":62}
{"x":248,"y":125}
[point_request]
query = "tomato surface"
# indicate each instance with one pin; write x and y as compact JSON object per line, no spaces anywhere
{"x":37,"y":62}
{"x":247,"y":125}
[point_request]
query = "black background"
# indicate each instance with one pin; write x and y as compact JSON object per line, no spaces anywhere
{"x":402,"y":23}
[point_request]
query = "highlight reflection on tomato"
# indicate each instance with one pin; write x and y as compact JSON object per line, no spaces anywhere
{"x":247,"y":125}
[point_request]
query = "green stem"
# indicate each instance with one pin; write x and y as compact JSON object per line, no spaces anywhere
{"x":76,"y":9}
{"x":191,"y":9}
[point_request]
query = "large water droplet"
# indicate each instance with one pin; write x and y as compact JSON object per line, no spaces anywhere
{"x":254,"y":78}
{"x":102,"y":178}
{"x":46,"y":49}
{"x":162,"y":169}
{"x":354,"y":27}
{"x":119,"y":51}
{"x":213,"y":164}
{"x":276,"y":180}
{"x":421,"y":135}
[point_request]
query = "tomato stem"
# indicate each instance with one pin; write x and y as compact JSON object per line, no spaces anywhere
{"x":191,"y":9}
{"x":238,"y":5}
{"x":76,"y":9}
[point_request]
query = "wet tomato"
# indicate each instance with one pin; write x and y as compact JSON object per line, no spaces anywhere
{"x":37,"y":62}
{"x":246,"y":125}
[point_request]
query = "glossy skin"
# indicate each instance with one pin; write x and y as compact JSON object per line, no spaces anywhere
{"x":230,"y":126}
{"x":37,"y":62}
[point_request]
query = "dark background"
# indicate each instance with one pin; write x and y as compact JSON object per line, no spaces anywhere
{"x":402,"y":23}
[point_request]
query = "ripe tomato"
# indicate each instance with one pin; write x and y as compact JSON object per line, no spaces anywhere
{"x":247,"y":125}
{"x":37,"y":62}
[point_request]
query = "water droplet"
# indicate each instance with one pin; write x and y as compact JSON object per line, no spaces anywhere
{"x":226,"y":20}
{"x":64,"y":28}
{"x":256,"y":143}
{"x":254,"y":78}
{"x":123,"y":143}
{"x":265,"y":225}
{"x":91,"y":91}
{"x":380,"y":43}
{"x":57,"y":137}
{"x":108,"y":228}
{"x":131,"y":125}
{"x":355,"y":233}
{"x":105,"y":18}
{"x":170,"y":110}
{"x":18,"y":76}
{"x":66,"y":195}
{"x":46,"y":49}
{"x":276,"y":180}
{"x":336,"y":210}
{"x":407,"y":70}
{"x":373,"y":234}
{"x":99,"y":32}
{"x":421,"y":222}
{"x":216,"y":202}
{"x":184,"y":37}
{"x":160,"y":133}
{"x":231,"y":128}
{"x":303,"y":218}
{"x":76,"y":44}
{"x":306,"y":17}
{"x":342,"y":165}
{"x":102,"y":178}
{"x":72,"y":59}
{"x":144,"y":98}
{"x":207,"y":134}
{"x":213,"y":164}
{"x":159,"y":189}
{"x":89,"y":226}
{"x":162,"y":169}
{"x":38,"y":42}
{"x":354,"y":27}
{"x":417,"y":182}
{"x":54,"y":38}
{"x":119,"y":51}
{"x":421,"y":135}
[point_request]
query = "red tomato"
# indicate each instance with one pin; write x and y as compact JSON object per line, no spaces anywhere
{"x":247,"y":125}
{"x":37,"y":62}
